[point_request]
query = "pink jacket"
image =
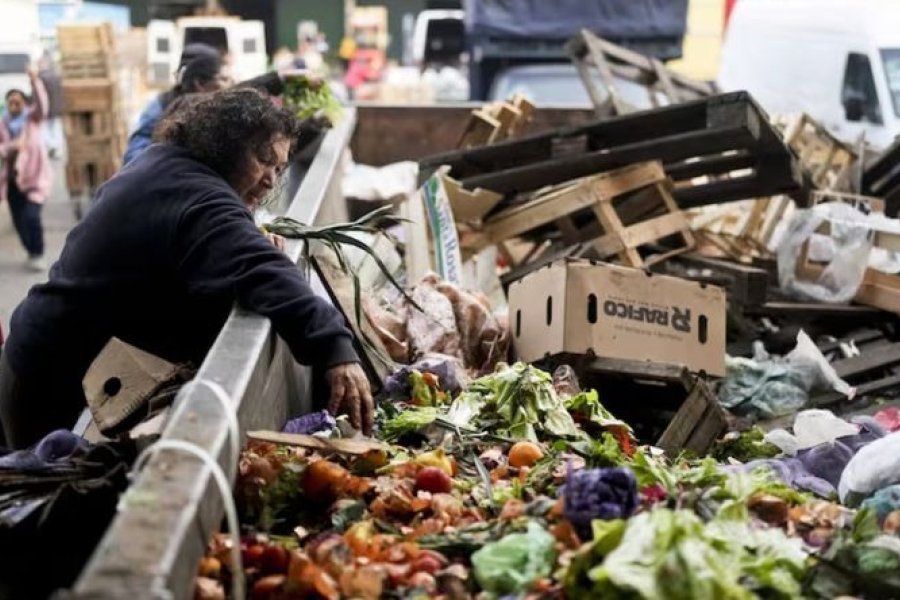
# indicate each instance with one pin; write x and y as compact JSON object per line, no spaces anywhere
{"x":33,"y":168}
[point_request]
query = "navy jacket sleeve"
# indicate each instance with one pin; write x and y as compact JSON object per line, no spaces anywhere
{"x":220,"y":250}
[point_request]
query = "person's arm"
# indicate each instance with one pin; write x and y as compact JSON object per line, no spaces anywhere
{"x":222,"y":251}
{"x":38,"y":110}
{"x":142,"y":136}
{"x":5,"y":142}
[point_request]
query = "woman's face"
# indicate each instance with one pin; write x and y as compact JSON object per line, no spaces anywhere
{"x":259,"y":176}
{"x":15,"y":104}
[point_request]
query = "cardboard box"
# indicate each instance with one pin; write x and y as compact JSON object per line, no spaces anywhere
{"x":577,"y":307}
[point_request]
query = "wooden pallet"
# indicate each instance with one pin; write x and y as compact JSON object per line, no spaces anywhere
{"x":698,"y":142}
{"x":611,"y":200}
{"x":495,"y":122}
{"x":826,"y":159}
{"x":592,"y":54}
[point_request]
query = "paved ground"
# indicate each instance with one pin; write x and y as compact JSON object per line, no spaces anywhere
{"x":15,"y":281}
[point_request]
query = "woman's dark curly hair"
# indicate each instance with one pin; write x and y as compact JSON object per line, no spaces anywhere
{"x":224,"y":129}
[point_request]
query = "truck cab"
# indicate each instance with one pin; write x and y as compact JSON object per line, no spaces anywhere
{"x":244,"y":42}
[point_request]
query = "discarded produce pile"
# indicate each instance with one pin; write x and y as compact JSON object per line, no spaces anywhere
{"x":522,"y":485}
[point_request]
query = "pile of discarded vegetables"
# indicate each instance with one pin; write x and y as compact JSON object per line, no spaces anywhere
{"x":521,"y":485}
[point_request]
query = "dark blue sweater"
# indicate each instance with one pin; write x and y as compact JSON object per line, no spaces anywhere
{"x":158,"y":262}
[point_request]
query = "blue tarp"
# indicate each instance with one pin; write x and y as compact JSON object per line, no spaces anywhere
{"x":612,"y":19}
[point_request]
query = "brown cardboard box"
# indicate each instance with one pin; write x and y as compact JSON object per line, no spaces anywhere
{"x":574,"y":307}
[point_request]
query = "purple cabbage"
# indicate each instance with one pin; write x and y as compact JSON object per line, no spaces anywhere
{"x":311,"y":423}
{"x":446,"y":370}
{"x":598,"y":494}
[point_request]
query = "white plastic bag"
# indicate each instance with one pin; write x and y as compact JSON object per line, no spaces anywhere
{"x":874,"y":467}
{"x":847,"y":248}
{"x":811,"y":428}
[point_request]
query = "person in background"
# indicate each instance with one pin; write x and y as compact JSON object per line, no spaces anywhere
{"x":159,"y":262}
{"x":53,"y":134}
{"x":26,"y":174}
{"x":202,"y":69}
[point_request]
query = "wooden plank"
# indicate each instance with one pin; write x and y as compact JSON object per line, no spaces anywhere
{"x":627,"y":179}
{"x":540,"y":211}
{"x":638,"y":369}
{"x":679,"y":430}
{"x":857,"y":367}
{"x":654,"y":229}
{"x":352,"y":446}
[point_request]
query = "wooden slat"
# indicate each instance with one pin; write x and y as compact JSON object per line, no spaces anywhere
{"x":654,"y":229}
{"x":352,"y":446}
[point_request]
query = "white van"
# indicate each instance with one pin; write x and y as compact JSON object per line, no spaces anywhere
{"x":243,"y":41}
{"x":20,"y":43}
{"x":836,"y":60}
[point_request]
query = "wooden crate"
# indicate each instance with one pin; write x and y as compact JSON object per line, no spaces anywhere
{"x":91,"y":125}
{"x":676,"y":412}
{"x":496,"y":122}
{"x":90,"y":95}
{"x":612,"y":199}
{"x":78,"y":39}
{"x":87,"y":66}
{"x":590,"y":53}
{"x":826,"y":159}
{"x":96,"y":150}
{"x":84,"y":177}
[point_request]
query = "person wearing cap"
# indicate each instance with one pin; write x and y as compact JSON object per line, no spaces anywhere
{"x":202,"y":68}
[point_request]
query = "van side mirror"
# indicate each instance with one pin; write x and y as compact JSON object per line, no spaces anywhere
{"x":853,"y":107}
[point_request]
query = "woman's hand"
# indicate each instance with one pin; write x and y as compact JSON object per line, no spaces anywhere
{"x":350,"y":391}
{"x":276,"y":240}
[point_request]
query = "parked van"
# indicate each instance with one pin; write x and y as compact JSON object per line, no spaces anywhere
{"x":243,"y":41}
{"x":20,"y":43}
{"x":837,"y":60}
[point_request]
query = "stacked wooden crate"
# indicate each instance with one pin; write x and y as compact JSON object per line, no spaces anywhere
{"x":93,"y":119}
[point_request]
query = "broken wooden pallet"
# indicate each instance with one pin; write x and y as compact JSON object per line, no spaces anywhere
{"x":826,"y":159}
{"x":614,"y":63}
{"x":495,"y":122}
{"x":606,"y":198}
{"x":698,"y":142}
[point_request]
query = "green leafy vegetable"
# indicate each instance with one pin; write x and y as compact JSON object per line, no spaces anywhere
{"x":671,"y":555}
{"x":407,"y":421}
{"x":309,"y":98}
{"x":516,"y":401}
{"x":514,"y":563}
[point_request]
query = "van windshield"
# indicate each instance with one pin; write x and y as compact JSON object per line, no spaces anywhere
{"x":891,"y":59}
{"x":13,"y":63}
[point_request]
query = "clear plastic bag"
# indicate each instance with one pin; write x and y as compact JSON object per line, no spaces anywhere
{"x":846,"y":250}
{"x":874,"y":467}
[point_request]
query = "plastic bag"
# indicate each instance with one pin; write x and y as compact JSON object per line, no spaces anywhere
{"x":771,"y":386}
{"x":847,"y":248}
{"x":512,"y":564}
{"x":874,"y":467}
{"x":811,"y":428}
